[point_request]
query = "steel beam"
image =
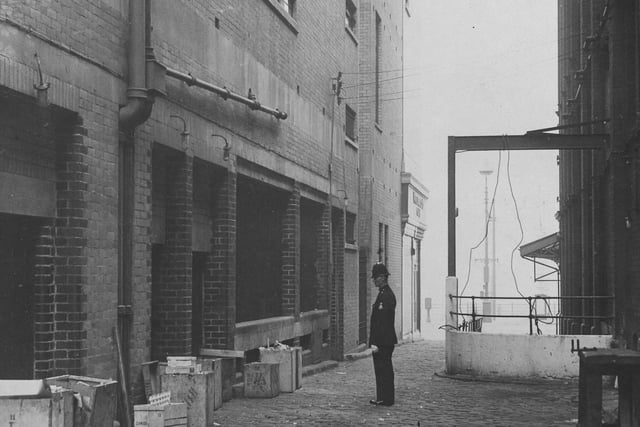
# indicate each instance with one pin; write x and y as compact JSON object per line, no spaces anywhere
{"x":530,"y":141}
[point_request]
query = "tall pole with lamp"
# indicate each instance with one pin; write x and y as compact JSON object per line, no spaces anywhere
{"x":486,"y":304}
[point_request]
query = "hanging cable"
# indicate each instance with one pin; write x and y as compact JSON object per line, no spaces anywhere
{"x":515,"y":204}
{"x":486,"y":226}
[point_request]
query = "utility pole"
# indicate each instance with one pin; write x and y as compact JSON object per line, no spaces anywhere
{"x":493,"y":262}
{"x":486,"y":304}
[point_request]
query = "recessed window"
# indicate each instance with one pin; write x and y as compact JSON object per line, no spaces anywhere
{"x":350,"y":230}
{"x":383,"y":243}
{"x":286,"y":11}
{"x":289,"y":6}
{"x":350,"y":123}
{"x":350,"y":19}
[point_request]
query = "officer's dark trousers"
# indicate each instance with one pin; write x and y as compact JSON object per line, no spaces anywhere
{"x":383,"y":368}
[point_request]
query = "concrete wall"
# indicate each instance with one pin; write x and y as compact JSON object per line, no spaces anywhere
{"x":504,"y":355}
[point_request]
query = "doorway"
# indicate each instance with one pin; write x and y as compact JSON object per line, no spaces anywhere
{"x":17,"y":248}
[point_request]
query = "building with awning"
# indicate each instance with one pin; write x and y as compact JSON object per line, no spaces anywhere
{"x":541,"y":251}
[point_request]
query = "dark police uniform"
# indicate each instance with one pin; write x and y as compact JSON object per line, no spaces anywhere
{"x":383,"y":335}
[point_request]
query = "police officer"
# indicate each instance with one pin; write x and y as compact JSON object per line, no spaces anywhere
{"x":382,"y":338}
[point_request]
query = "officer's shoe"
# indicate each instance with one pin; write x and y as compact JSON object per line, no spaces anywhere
{"x":380,"y":403}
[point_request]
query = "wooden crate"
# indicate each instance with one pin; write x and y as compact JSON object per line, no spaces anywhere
{"x":196,"y":367}
{"x":99,"y":399}
{"x":168,"y":415}
{"x":55,"y":411}
{"x":290,"y":361}
{"x":261,"y":379}
{"x":202,"y":392}
{"x":230,"y":359}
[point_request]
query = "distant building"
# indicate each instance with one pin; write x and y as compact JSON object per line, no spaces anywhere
{"x":414,"y":225}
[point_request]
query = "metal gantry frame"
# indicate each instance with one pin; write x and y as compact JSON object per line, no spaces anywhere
{"x":534,"y":140}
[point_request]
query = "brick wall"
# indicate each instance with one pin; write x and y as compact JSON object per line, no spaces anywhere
{"x":336,"y":289}
{"x":61,"y":266}
{"x":380,"y":142}
{"x":96,"y":32}
{"x":219,"y":315}
{"x":171,"y":299}
{"x":83,"y":54}
{"x":140,"y":331}
{"x":291,"y":256}
{"x":44,"y":301}
{"x":323,"y":285}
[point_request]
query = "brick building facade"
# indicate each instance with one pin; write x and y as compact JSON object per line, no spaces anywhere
{"x":188,"y":175}
{"x":599,"y":234}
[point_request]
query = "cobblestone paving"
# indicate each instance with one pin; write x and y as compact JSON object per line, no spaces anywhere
{"x":340,"y":396}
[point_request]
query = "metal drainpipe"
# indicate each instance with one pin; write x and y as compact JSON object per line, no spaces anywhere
{"x":135,"y":112}
{"x":138,"y":107}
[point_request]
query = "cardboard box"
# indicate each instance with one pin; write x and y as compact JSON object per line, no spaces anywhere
{"x":167,"y":415}
{"x":261,"y":379}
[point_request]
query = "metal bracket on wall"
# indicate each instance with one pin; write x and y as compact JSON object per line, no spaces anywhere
{"x":125,"y":311}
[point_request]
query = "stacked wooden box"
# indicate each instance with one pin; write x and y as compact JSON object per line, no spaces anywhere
{"x":43,"y":409}
{"x":261,"y":379}
{"x":166,"y":415}
{"x":188,"y":365}
{"x":290,"y":361}
{"x":200,"y":390}
{"x":99,"y":399}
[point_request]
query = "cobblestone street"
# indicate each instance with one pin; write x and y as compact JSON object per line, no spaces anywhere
{"x":340,"y":396}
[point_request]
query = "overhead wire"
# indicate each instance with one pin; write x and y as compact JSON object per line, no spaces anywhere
{"x":486,"y":225}
{"x":515,"y":204}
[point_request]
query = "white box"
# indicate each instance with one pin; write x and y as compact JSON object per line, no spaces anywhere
{"x":167,"y":415}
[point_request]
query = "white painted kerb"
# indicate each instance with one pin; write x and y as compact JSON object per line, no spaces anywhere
{"x":482,"y":354}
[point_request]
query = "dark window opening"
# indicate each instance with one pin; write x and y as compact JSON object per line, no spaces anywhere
{"x":259,"y":250}
{"x":251,"y":356}
{"x":351,"y":14}
{"x":305,"y":342}
{"x":383,"y":243}
{"x":17,"y":252}
{"x":289,"y":6}
{"x":350,"y":232}
{"x":312,"y":293}
{"x":378,"y":58}
{"x":350,"y":123}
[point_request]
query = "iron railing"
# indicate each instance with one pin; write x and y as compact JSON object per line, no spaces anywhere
{"x":475,"y":324}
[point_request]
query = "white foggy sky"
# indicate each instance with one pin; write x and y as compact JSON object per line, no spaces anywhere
{"x":481,"y":67}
